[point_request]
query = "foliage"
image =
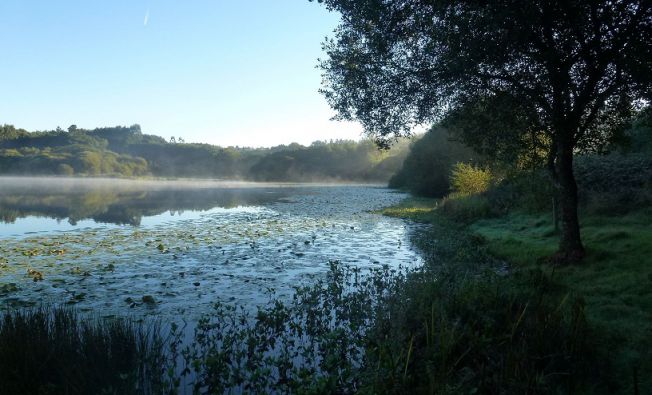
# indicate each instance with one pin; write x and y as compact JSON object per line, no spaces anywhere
{"x":450,"y":327}
{"x":426,"y":169}
{"x":637,"y":138}
{"x":55,"y":351}
{"x":335,"y":160}
{"x":615,"y":183}
{"x":127,"y":152}
{"x":497,"y":127}
{"x":529,"y":190}
{"x":465,"y":208}
{"x":607,"y":184}
{"x":467,"y":179}
{"x":612,"y":183}
{"x":65,"y":169}
{"x":68,"y":160}
{"x":392,"y":65}
{"x":9,"y":132}
{"x":543,"y":69}
{"x":613,"y":284}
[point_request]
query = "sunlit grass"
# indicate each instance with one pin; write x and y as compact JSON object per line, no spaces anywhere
{"x":415,"y":208}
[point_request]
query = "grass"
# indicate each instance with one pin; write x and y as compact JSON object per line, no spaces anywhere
{"x":415,"y":208}
{"x":56,"y":351}
{"x":615,"y":276}
{"x":614,"y":280}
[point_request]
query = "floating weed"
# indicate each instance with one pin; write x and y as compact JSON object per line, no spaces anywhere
{"x":35,"y":275}
{"x":109,"y":262}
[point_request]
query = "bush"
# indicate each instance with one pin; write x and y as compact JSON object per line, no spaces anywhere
{"x":638,"y":137}
{"x":456,"y":336}
{"x":530,"y":191}
{"x":426,"y":170}
{"x":614,"y":183}
{"x":467,"y":179}
{"x":607,"y":184}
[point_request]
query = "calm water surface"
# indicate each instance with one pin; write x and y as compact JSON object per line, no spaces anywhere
{"x":103,"y":245}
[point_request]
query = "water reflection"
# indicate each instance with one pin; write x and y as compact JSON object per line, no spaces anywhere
{"x":186,"y":263}
{"x":122,"y":202}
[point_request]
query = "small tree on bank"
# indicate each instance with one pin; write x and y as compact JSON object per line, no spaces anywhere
{"x":570,"y":69}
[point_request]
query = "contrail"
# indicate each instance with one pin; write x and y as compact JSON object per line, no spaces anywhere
{"x":146,"y":18}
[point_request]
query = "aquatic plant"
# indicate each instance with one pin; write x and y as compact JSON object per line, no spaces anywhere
{"x":454,"y":326}
{"x":54,"y":350}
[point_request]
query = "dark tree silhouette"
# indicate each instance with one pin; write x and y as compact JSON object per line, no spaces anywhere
{"x":570,"y":67}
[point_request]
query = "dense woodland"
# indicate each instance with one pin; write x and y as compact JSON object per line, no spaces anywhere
{"x":127,"y":152}
{"x":434,"y":163}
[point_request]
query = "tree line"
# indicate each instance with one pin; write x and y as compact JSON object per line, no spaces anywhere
{"x":127,"y":151}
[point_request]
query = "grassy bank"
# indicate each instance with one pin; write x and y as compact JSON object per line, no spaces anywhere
{"x":614,"y":282}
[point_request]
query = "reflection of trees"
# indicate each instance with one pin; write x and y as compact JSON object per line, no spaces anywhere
{"x":124,"y":207}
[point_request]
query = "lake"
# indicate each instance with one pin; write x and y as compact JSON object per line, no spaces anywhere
{"x":173,"y":248}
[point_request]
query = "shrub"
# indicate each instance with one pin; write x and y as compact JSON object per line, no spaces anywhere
{"x":478,"y":336}
{"x":614,"y":183}
{"x":606,"y":184}
{"x":638,"y":137}
{"x":467,"y":179}
{"x":531,"y":191}
{"x":427,"y":168}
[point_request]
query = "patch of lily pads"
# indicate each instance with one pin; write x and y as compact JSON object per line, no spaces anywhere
{"x":183,"y":266}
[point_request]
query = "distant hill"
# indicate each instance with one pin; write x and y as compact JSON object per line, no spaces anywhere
{"x":127,"y":152}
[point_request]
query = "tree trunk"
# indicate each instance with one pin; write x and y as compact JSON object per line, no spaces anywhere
{"x":570,"y":243}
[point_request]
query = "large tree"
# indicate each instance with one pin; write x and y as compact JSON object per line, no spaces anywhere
{"x":569,"y":68}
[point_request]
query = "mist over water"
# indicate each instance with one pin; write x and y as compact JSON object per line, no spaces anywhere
{"x":109,"y":245}
{"x":71,"y":203}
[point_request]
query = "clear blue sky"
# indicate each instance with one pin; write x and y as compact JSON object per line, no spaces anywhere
{"x":226,"y":72}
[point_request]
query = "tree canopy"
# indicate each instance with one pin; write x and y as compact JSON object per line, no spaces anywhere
{"x":572,"y":70}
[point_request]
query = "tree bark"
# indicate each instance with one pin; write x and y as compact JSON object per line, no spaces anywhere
{"x":570,"y":243}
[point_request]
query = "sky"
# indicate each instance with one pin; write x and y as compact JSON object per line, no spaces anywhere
{"x":224,"y":72}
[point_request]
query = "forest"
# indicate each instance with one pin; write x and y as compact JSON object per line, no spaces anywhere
{"x":127,"y":152}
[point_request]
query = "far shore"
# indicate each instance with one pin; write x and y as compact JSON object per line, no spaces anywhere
{"x":164,"y":183}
